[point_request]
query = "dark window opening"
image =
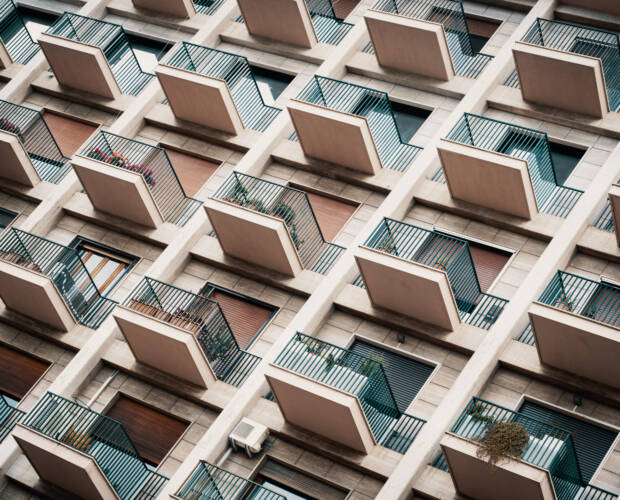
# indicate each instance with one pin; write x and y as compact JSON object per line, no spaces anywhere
{"x":409,"y":119}
{"x":279,"y":488}
{"x":19,"y":372}
{"x":480,"y":32}
{"x":270,"y":83}
{"x":36,"y":21}
{"x":148,"y":51}
{"x":565,"y":159}
{"x":6,"y":217}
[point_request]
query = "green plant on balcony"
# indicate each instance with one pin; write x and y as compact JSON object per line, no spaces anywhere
{"x":330,"y":361}
{"x":564,"y":302}
{"x":387,"y":244}
{"x":238,"y":193}
{"x":313,"y":346}
{"x":287,"y":214}
{"x":9,"y":126}
{"x":477,"y":413}
{"x":118,"y":160}
{"x":371,"y":364}
{"x":502,"y":441}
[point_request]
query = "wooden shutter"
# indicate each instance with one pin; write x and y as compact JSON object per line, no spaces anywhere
{"x":69,"y":134}
{"x":244,"y":317}
{"x":153,"y":433}
{"x":192,"y":171}
{"x":18,"y":372}
{"x":488,"y":262}
{"x":331,"y":214}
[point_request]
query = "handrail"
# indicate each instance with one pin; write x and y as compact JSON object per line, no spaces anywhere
{"x":9,"y":416}
{"x":15,"y":37}
{"x":207,"y":7}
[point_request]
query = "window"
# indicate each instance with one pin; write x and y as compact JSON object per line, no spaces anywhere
{"x":191,"y":171}
{"x":105,"y":265}
{"x":480,"y":31}
{"x":342,"y":8}
{"x":247,"y":317}
{"x":409,"y":119}
{"x":270,"y":83}
{"x":489,"y":262}
{"x":148,"y":51}
{"x":69,"y":134}
{"x":18,"y":373}
{"x":286,"y":491}
{"x":36,"y":21}
{"x":565,"y":159}
{"x":6,"y":217}
{"x":331,"y":214}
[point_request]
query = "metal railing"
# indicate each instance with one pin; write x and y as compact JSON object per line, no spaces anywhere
{"x":64,"y":267}
{"x":9,"y":416}
{"x":525,"y":144}
{"x":14,"y":35}
{"x":235,"y":70}
{"x":403,"y":433}
{"x":605,"y":220}
{"x":100,"y":437}
{"x":371,"y":104}
{"x":153,"y":164}
{"x":113,"y":42}
{"x":446,"y":253}
{"x":584,"y":40}
{"x":207,"y":7}
{"x":585,"y":297}
{"x":293,"y":207}
{"x":527,"y":335}
{"x":210,"y":482}
{"x":465,"y":60}
{"x":30,"y":128}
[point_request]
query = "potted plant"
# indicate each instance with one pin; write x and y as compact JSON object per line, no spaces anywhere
{"x":313,"y":346}
{"x":330,"y":361}
{"x":565,"y":303}
{"x":387,"y":245}
{"x":477,"y":413}
{"x":11,"y":127}
{"x":502,"y":441}
{"x":442,"y":264}
{"x":97,"y":154}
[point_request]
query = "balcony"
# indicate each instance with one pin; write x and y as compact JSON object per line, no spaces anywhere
{"x":48,"y":282}
{"x":16,"y":44}
{"x":340,"y":395}
{"x":424,"y":37}
{"x":214,"y":89}
{"x":207,"y":7}
{"x":29,"y":151}
{"x":569,"y":66}
{"x":183,"y":334}
{"x":303,"y":23}
{"x":9,"y":416}
{"x":278,"y":220}
{"x":84,"y":452}
{"x":503,"y":167}
{"x":546,"y":469}
{"x":614,"y":201}
{"x":178,"y":8}
{"x":425,"y":275}
{"x":349,"y":125}
{"x":132,"y":180}
{"x":209,"y":481}
{"x":93,"y":56}
{"x":582,"y":316}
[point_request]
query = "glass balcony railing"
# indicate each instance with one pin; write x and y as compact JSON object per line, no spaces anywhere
{"x":210,"y":482}
{"x":236,"y":72}
{"x":113,"y":42}
{"x":548,"y":446}
{"x":525,"y":144}
{"x":293,"y":207}
{"x":15,"y":37}
{"x":153,"y":164}
{"x":583,"y":40}
{"x":585,"y":297}
{"x":466,"y":61}
{"x":9,"y":416}
{"x":203,"y":318}
{"x":38,"y":142}
{"x":102,"y":438}
{"x":64,"y":267}
{"x":371,"y":104}
{"x":446,"y":253}
{"x":360,"y":376}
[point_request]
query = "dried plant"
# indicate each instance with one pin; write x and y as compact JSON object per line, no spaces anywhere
{"x":503,"y":440}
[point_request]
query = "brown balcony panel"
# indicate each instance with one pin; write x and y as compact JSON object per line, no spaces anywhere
{"x":571,"y":82}
{"x":410,"y":45}
{"x":80,"y":66}
{"x":319,"y":408}
{"x":286,"y":21}
{"x":180,"y":8}
{"x":414,"y":290}
{"x":117,"y":191}
{"x":170,"y":348}
{"x":607,"y":6}
{"x":16,"y":164}
{"x":488,"y":179}
{"x":64,"y":466}
{"x":200,"y":99}
{"x":614,"y":199}
{"x":34,"y":295}
{"x":577,"y":344}
{"x":335,"y":137}
{"x":510,"y":479}
{"x":254,"y":237}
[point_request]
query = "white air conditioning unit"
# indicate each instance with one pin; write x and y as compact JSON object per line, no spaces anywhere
{"x":248,"y":435}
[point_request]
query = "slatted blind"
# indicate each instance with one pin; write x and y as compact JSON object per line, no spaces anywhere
{"x":331,"y":214}
{"x":18,"y":372}
{"x":591,"y":441}
{"x":406,"y":376}
{"x":488,"y":262}
{"x":69,"y":134}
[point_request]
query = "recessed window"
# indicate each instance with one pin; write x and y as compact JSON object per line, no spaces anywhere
{"x":565,"y":159}
{"x":331,"y":214}
{"x":36,"y":21}
{"x":480,"y":31}
{"x":409,"y":119}
{"x":270,"y":83}
{"x":191,"y":171}
{"x":6,"y":217}
{"x":281,"y":489}
{"x":489,"y":263}
{"x":68,"y":133}
{"x":342,"y":8}
{"x":148,"y":52}
{"x":18,"y":373}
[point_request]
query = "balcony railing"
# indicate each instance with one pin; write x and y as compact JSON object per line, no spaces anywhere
{"x":64,"y":267}
{"x":100,"y":437}
{"x":525,"y":144}
{"x":466,"y":61}
{"x":113,"y":41}
{"x":38,"y":142}
{"x":207,"y":7}
{"x":200,"y":316}
{"x":548,"y":446}
{"x":578,"y":39}
{"x":293,"y":207}
{"x":9,"y":416}
{"x":585,"y":297}
{"x":446,"y":253}
{"x":15,"y":37}
{"x":371,"y":104}
{"x":236,"y":72}
{"x":605,"y":220}
{"x":153,"y":164}
{"x":209,"y":481}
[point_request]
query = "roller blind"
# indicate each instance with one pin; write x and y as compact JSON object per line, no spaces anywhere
{"x":19,"y":372}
